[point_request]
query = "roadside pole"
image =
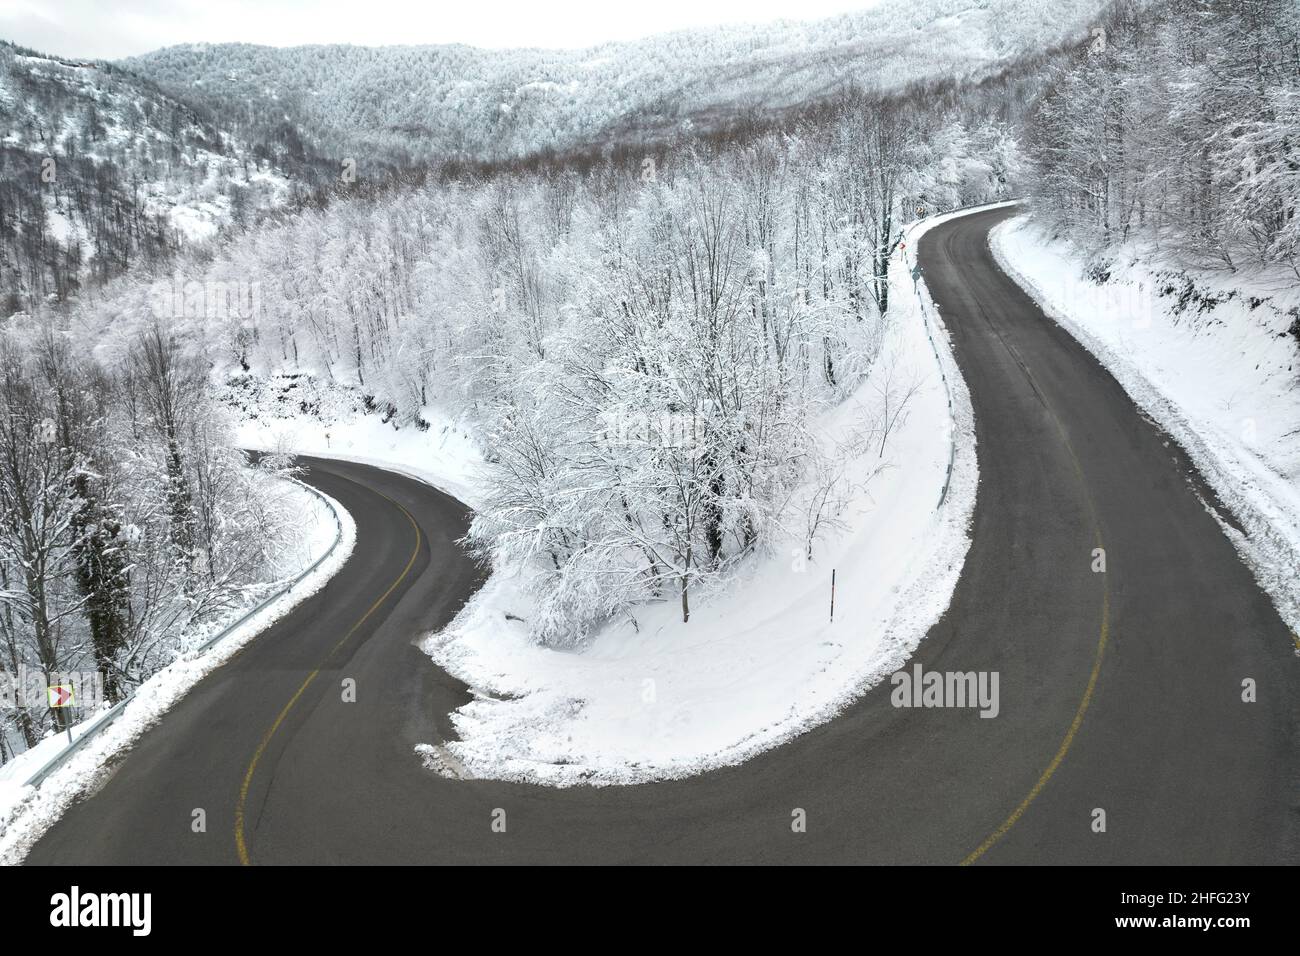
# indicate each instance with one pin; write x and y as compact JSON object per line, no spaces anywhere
{"x":832,"y":595}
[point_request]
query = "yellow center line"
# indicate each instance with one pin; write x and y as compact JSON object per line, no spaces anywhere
{"x":1016,"y":814}
{"x":241,"y":845}
{"x":1082,"y":709}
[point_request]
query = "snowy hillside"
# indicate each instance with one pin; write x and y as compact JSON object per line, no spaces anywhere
{"x":102,"y":170}
{"x":435,"y":101}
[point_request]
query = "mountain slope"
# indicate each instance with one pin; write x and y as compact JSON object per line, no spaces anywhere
{"x":440,"y":101}
{"x":102,"y":170}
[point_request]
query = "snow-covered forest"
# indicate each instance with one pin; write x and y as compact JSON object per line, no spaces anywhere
{"x":102,"y":172}
{"x":1179,"y":128}
{"x":129,"y":520}
{"x":437,"y":103}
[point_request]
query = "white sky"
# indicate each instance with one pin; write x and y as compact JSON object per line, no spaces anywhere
{"x":115,"y":28}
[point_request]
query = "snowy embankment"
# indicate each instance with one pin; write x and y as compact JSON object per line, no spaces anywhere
{"x":444,"y":456}
{"x":27,"y":812}
{"x":761,"y":661}
{"x":1209,"y":360}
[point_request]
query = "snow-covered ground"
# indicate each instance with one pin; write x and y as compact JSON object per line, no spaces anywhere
{"x":27,"y":812}
{"x":445,"y":455}
{"x":1210,"y":360}
{"x":759,"y":662}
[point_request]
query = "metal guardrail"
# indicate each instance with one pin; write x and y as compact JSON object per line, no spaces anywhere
{"x":947,"y":388}
{"x":110,"y":715}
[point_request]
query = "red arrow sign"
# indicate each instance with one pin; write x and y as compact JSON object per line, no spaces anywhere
{"x":60,"y":695}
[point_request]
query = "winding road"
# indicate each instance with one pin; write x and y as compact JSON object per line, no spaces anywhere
{"x":1120,"y":691}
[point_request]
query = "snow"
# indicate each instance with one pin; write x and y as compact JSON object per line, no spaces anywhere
{"x":700,"y":72}
{"x":61,"y":228}
{"x":187,"y":191}
{"x":759,"y":662}
{"x":445,"y":456}
{"x":27,"y":812}
{"x":197,"y":221}
{"x":1223,"y":381}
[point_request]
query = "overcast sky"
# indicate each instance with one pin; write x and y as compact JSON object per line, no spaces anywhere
{"x":116,"y":28}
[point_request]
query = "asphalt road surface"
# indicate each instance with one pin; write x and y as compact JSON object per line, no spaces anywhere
{"x":1120,"y":691}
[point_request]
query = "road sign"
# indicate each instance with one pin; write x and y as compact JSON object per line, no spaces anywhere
{"x":60,"y":695}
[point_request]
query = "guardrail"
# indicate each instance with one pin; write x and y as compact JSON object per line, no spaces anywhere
{"x":943,"y":375}
{"x":110,"y":715}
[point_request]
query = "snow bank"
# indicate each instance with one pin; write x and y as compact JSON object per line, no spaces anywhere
{"x":1216,"y":370}
{"x":27,"y":812}
{"x":444,"y":456}
{"x":652,"y":698}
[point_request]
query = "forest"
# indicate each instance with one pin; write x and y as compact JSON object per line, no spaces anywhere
{"x":101,"y":172}
{"x":1179,"y":130}
{"x":128,"y":518}
{"x":416,"y":104}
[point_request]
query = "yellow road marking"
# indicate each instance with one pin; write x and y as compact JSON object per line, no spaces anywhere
{"x":1065,"y":744}
{"x":1082,"y":709}
{"x":240,"y":845}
